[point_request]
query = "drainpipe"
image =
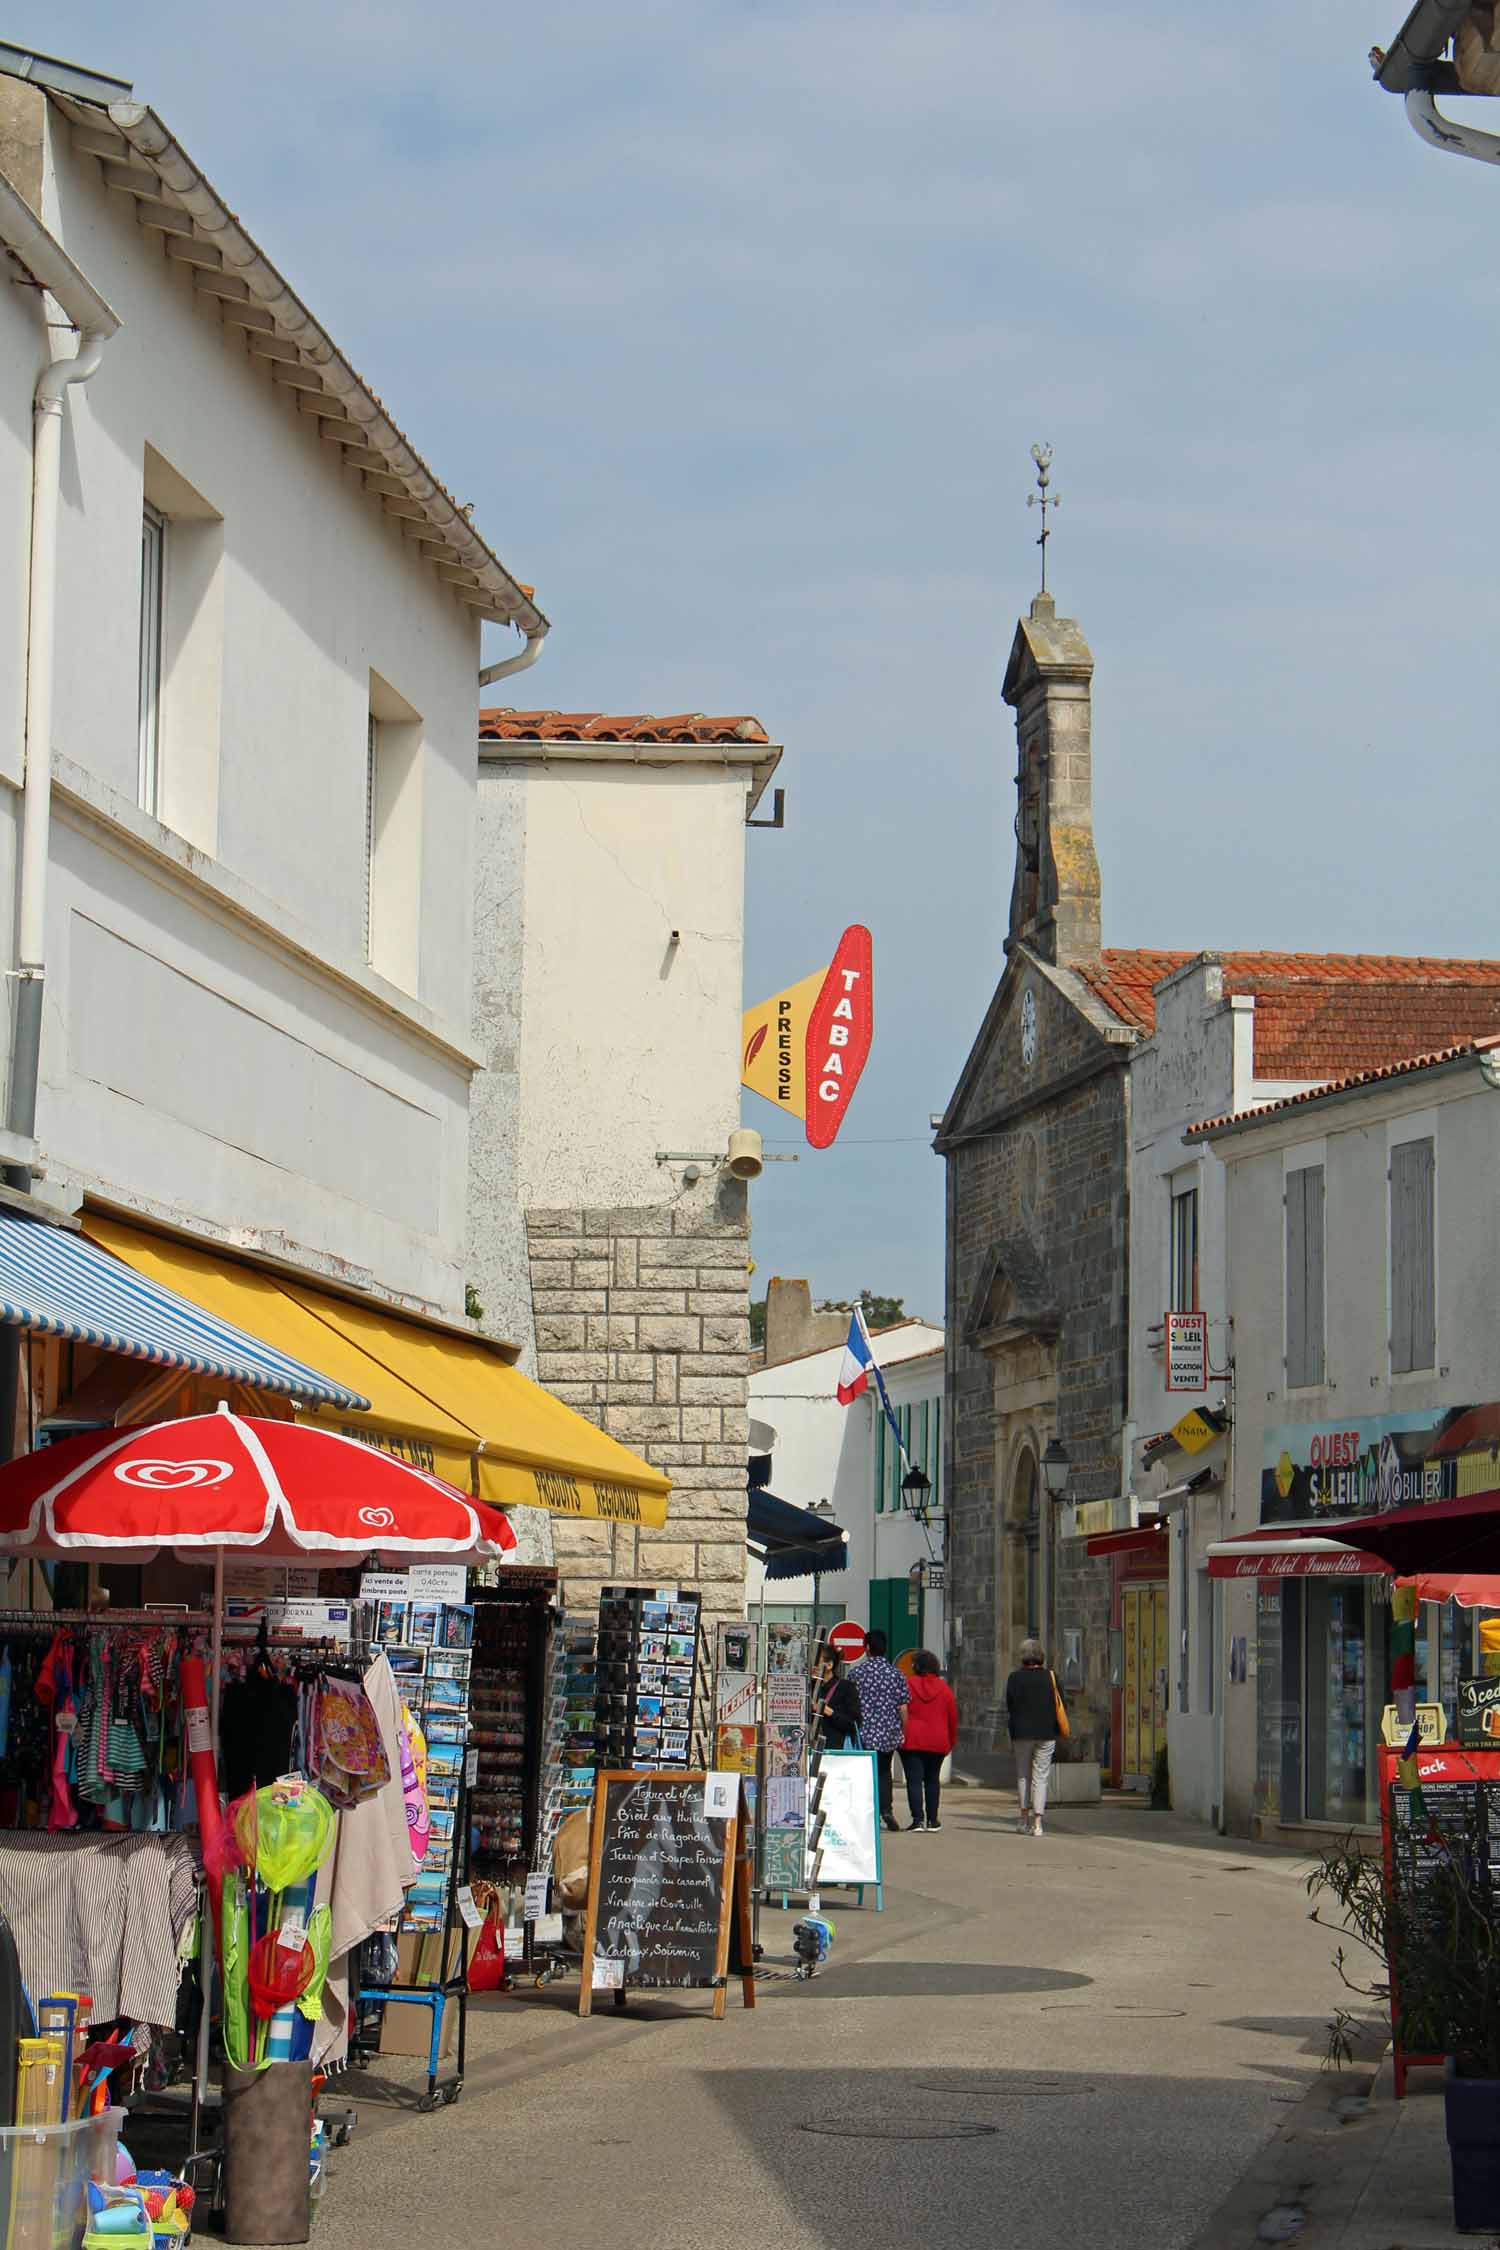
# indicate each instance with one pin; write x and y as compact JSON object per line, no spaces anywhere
{"x":49,"y":264}
{"x":514,"y":664}
{"x":1446,"y":133}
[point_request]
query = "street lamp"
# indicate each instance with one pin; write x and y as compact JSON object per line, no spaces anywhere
{"x":916,"y":1492}
{"x":1056,"y":1469}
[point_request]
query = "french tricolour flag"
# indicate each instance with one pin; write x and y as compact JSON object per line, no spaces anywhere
{"x":854,"y":1370}
{"x":857,"y":1369}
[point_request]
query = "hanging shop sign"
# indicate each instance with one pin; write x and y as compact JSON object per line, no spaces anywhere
{"x":1193,"y":1432}
{"x":1369,"y":1463}
{"x":805,"y":1047}
{"x":669,"y":1891}
{"x":1432,"y":1723}
{"x":1479,"y":1711}
{"x":1187,"y":1351}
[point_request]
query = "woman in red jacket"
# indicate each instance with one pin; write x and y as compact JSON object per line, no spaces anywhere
{"x":930,"y":1731}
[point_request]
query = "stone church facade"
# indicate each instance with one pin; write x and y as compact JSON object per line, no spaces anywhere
{"x":1036,"y":1140}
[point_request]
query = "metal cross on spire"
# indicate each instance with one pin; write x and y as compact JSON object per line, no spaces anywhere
{"x":1044,"y":499}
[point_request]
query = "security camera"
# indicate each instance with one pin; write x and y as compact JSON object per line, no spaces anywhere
{"x":744,"y":1161}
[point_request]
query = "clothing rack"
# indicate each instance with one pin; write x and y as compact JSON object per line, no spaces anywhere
{"x":139,"y":1620}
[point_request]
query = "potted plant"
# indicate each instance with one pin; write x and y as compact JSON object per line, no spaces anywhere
{"x":1433,"y":1929}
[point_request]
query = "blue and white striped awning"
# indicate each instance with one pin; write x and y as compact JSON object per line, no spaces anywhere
{"x":65,"y":1285}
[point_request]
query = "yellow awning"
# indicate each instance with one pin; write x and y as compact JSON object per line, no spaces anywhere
{"x":448,"y":1402}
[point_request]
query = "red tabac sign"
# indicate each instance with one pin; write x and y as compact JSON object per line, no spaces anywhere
{"x":804,"y":1049}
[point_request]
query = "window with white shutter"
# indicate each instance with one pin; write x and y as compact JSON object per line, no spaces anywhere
{"x":1413,"y":1263}
{"x":1304,"y":1276}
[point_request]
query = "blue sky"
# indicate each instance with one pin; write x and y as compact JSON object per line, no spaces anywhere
{"x":735,"y":320}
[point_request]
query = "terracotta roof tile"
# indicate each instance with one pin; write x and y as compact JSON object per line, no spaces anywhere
{"x":1402,"y":1069}
{"x":1323,"y":1015}
{"x":505,"y":725}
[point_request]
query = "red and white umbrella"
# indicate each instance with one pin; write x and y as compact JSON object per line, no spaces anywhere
{"x":280,"y":1490}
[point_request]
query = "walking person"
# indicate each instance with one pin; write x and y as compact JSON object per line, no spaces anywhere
{"x":837,"y":1707}
{"x":930,"y":1733}
{"x":883,"y":1697}
{"x":1036,"y":1715}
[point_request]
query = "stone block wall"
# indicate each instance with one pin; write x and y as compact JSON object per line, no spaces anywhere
{"x":642,"y":1320}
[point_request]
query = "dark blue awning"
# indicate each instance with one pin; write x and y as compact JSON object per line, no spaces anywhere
{"x":793,"y":1542}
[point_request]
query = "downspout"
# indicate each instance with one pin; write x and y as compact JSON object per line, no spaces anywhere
{"x":513,"y":664}
{"x":1446,"y":133}
{"x":49,"y":264}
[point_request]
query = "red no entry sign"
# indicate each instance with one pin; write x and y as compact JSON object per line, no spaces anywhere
{"x":848,"y":1641}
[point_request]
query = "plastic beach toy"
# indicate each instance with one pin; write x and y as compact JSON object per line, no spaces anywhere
{"x":285,"y":1835}
{"x":279,"y":1974}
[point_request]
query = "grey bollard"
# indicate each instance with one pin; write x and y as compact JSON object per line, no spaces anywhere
{"x":267,"y":2127}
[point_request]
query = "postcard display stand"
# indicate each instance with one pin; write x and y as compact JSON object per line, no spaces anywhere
{"x":426,"y":1628}
{"x":568,"y":1755}
{"x":781,"y":1804}
{"x":645,"y":1671}
{"x":566,"y":1783}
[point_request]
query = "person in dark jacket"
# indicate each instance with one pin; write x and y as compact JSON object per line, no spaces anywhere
{"x":883,"y":1696}
{"x":838,"y":1708}
{"x":929,"y":1733}
{"x":1031,"y":1700}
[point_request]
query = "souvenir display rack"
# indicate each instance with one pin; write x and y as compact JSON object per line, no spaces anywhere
{"x":569,"y":1757}
{"x":646,"y":1676}
{"x":429,"y":1646}
{"x":511,"y":1630}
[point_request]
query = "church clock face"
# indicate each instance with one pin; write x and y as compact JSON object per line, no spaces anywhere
{"x":1028,"y":1028}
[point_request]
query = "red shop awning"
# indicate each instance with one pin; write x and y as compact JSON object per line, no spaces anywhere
{"x":1141,"y":1539}
{"x":1262,"y":1555}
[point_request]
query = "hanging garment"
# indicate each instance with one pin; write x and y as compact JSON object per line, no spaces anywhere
{"x":256,"y":1722}
{"x":101,"y":1914}
{"x":371,"y":1870}
{"x":63,"y":1813}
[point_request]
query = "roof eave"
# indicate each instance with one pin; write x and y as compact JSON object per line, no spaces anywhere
{"x":758,"y":759}
{"x":1413,"y":61}
{"x":353,"y":416}
{"x":1297,"y":1105}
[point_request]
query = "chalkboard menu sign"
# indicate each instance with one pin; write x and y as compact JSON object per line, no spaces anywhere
{"x":1460,"y":1819}
{"x":668,"y":1890}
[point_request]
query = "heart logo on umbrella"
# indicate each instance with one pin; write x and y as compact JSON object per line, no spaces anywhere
{"x":377,"y":1519}
{"x":172,"y":1475}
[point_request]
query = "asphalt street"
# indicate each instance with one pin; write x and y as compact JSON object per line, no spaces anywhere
{"x":1084,"y":2039}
